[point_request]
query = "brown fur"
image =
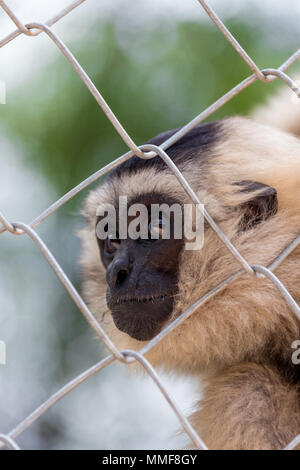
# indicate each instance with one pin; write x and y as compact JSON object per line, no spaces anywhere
{"x":248,"y":406}
{"x":241,"y":338}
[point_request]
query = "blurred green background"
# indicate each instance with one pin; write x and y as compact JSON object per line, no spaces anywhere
{"x":156,"y":81}
{"x":154,"y":78}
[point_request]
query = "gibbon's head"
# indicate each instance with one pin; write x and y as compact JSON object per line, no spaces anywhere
{"x":247,"y":177}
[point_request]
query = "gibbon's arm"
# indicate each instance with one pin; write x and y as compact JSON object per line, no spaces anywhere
{"x":281,"y":111}
{"x":248,"y":407}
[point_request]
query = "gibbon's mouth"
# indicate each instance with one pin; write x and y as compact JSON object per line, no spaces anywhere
{"x":144,"y":300}
{"x":141,"y":317}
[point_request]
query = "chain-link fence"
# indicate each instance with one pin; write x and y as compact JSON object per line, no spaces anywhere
{"x":144,"y":152}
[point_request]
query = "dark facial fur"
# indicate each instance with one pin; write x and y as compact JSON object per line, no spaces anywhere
{"x":142,"y":278}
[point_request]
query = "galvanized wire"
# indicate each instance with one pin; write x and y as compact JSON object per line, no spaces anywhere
{"x":145,"y":152}
{"x":9,"y":442}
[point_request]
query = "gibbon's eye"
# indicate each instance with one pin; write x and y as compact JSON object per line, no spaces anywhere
{"x":111,"y":244}
{"x":156,"y":228}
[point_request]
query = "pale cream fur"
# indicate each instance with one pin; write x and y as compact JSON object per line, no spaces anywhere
{"x":247,"y":323}
{"x":281,"y":111}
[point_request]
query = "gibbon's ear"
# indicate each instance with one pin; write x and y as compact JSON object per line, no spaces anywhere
{"x":261,"y":205}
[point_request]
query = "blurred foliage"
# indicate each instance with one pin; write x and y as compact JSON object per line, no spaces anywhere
{"x":154,"y":81}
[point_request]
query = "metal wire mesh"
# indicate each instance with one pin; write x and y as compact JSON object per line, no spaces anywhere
{"x":144,"y":152}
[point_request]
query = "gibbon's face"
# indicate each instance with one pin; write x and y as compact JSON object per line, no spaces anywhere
{"x":247,"y":176}
{"x":141,"y":275}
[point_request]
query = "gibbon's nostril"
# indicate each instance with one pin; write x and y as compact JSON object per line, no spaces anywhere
{"x":117,"y":273}
{"x":121,"y":276}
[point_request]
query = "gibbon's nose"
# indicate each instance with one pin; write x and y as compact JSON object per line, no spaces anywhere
{"x":117,"y":273}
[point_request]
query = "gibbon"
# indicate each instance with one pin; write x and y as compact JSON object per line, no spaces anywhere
{"x":246,"y":172}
